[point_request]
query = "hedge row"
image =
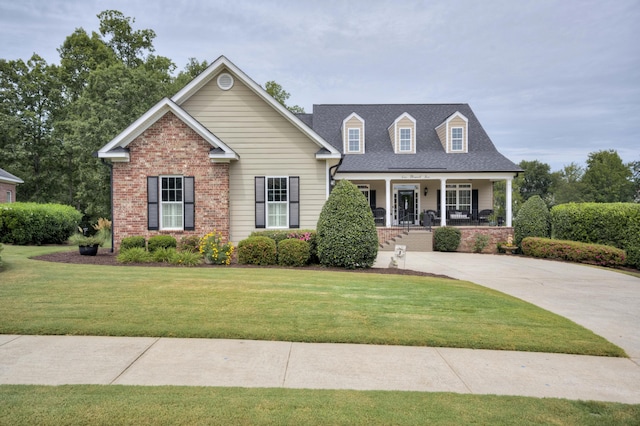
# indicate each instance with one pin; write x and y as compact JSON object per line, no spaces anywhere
{"x":35,"y":224}
{"x":285,"y":248}
{"x":595,"y":254}
{"x":613,"y":224}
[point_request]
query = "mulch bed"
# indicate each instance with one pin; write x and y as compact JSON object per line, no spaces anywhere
{"x":105,"y":257}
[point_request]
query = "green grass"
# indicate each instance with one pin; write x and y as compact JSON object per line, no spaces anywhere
{"x":22,"y":405}
{"x":39,"y":297}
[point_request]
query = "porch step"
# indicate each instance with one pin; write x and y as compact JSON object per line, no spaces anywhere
{"x":415,"y":240}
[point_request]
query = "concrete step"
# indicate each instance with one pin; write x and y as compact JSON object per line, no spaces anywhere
{"x":415,"y":240}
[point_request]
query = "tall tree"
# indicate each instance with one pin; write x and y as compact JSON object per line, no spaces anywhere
{"x":568,"y":186}
{"x":536,"y":180}
{"x":129,"y":46}
{"x":281,"y":95}
{"x":607,"y":179}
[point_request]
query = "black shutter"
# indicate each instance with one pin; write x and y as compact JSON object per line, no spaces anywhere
{"x":153,"y":219}
{"x":372,"y":198}
{"x":474,"y":204}
{"x":439,"y":203}
{"x":189,"y":203}
{"x":294,"y":202}
{"x":260,"y":202}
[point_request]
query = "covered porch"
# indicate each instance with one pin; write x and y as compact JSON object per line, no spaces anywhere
{"x":437,"y":199}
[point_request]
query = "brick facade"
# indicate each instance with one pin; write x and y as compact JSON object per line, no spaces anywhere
{"x":7,"y":187}
{"x":496,"y":234}
{"x":169,"y":147}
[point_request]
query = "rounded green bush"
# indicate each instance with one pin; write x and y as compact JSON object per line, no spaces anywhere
{"x":446,"y":238}
{"x":190,"y":243}
{"x":346,"y":231}
{"x":257,"y":251}
{"x":35,"y":224}
{"x":533,"y":220}
{"x":293,"y":252}
{"x":131,"y":242}
{"x":161,"y":241}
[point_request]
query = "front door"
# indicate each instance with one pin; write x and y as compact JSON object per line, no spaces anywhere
{"x":406,"y":207}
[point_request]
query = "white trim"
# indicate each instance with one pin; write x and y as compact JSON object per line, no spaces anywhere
{"x":396,"y":134}
{"x":400,"y":139}
{"x":345,"y":134}
{"x":223,"y":63}
{"x":448,"y":138}
{"x":409,"y":186}
{"x":348,"y":141}
{"x":462,"y":144}
{"x":160,"y":203}
{"x":223,"y":85}
{"x":266,"y":202}
{"x":152,"y":116}
{"x":9,"y":197}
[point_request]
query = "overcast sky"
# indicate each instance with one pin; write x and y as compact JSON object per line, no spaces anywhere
{"x":549,"y":80}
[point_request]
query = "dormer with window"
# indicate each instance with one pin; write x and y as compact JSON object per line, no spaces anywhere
{"x":453,"y":134}
{"x":403,"y":134}
{"x":353,"y":134}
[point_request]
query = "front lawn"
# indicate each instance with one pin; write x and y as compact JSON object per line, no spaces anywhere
{"x":38,"y":297}
{"x":137,"y":405}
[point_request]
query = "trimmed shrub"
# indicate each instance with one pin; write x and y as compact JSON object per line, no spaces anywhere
{"x":293,"y":252}
{"x":161,"y":241}
{"x":35,"y":224}
{"x":308,"y":235}
{"x":614,"y":224}
{"x":276,"y":235}
{"x":595,"y":254}
{"x":257,"y":251}
{"x":134,"y":255}
{"x":347,"y":235}
{"x":131,"y":242}
{"x":446,"y":238}
{"x":533,"y":220}
{"x":189,"y":243}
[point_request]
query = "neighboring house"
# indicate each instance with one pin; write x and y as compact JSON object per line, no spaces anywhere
{"x":8,"y":184}
{"x":223,"y":154}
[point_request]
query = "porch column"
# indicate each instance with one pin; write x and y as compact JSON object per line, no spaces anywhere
{"x":387,"y":197}
{"x":443,"y":202}
{"x":508,"y":207}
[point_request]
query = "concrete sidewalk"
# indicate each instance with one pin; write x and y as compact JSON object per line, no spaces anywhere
{"x":57,"y":360}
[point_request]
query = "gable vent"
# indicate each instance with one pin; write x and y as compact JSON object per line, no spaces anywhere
{"x":225,"y":81}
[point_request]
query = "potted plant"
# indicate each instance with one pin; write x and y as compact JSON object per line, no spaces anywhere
{"x":88,"y":244}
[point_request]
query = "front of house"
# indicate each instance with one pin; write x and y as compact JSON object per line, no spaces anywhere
{"x":223,"y":154}
{"x":8,"y":183}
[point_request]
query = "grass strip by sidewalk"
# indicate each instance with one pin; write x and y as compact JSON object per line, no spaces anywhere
{"x":89,"y":404}
{"x":39,"y":297}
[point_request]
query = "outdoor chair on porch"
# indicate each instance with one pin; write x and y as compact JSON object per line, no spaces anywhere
{"x":379,"y":216}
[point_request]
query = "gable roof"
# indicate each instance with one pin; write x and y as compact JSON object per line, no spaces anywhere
{"x":116,"y":150}
{"x":482,"y":155}
{"x":9,"y":178}
{"x":326,"y":149}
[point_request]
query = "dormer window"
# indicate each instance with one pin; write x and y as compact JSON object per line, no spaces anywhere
{"x":353,"y":134}
{"x":454,"y":134}
{"x":354,"y":140}
{"x":456,"y":139}
{"x":403,"y":134}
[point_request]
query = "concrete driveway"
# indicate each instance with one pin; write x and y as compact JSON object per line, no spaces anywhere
{"x":604,"y":301}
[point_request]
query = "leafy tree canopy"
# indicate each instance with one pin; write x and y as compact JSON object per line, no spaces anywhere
{"x":281,"y":95}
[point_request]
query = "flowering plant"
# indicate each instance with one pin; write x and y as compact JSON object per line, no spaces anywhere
{"x":215,"y":250}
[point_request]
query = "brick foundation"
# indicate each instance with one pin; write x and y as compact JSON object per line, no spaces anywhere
{"x":496,"y":234}
{"x":169,"y":147}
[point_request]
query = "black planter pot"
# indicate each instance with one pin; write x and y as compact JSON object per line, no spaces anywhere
{"x":89,"y":250}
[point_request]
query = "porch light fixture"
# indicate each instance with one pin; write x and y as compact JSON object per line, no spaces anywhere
{"x":426,"y":191}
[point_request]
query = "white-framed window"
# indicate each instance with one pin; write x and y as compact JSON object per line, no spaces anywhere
{"x":354,"y":139}
{"x":277,"y":202}
{"x":9,"y":197}
{"x":458,"y":196}
{"x":405,"y":139}
{"x":365,"y":189}
{"x":171,"y":202}
{"x":456,"y":139}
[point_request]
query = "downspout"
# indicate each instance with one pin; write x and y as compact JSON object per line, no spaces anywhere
{"x":332,"y":172}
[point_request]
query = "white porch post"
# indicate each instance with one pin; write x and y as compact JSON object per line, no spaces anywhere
{"x":387,"y":183}
{"x":508,"y":208}
{"x":443,"y":202}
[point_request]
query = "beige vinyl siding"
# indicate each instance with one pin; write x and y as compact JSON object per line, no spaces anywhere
{"x":485,"y":193}
{"x":267,"y":144}
{"x":458,"y":122}
{"x":405,"y":123}
{"x":353,"y":123}
{"x":441,"y":130}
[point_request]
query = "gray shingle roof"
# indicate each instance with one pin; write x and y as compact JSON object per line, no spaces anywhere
{"x":8,"y":177}
{"x":482,"y":155}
